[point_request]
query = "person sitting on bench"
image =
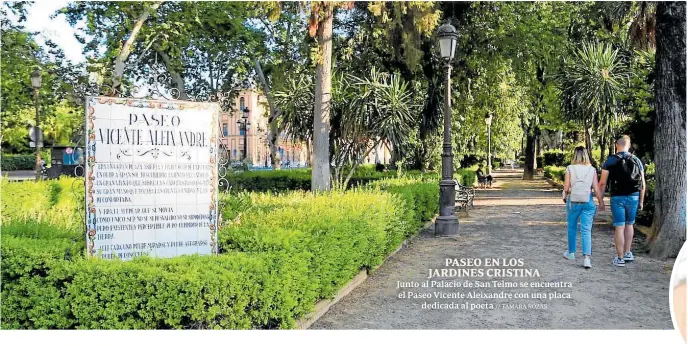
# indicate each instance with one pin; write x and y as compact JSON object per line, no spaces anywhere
{"x":482,"y":178}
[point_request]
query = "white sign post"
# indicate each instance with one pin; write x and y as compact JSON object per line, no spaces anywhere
{"x":151,"y":178}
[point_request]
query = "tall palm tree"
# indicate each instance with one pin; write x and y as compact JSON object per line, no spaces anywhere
{"x":370,"y":110}
{"x":638,"y":16}
{"x":295,"y":103}
{"x":592,"y":83}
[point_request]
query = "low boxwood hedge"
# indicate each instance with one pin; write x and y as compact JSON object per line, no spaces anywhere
{"x":57,"y":201}
{"x":16,"y":162}
{"x":555,"y":172}
{"x":295,"y":179}
{"x":280,"y":253}
{"x":556,"y":158}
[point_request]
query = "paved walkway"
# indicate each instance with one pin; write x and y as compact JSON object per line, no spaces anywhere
{"x":521,"y":220}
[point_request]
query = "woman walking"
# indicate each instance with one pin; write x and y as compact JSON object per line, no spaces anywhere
{"x":579,"y":181}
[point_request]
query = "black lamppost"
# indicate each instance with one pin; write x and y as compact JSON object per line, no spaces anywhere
{"x":245,"y":125}
{"x":488,"y":122}
{"x":447,"y":224}
{"x":36,"y":84}
{"x":267,"y":151}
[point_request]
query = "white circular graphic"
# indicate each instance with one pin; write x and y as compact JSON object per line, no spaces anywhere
{"x":69,"y":150}
{"x":678,"y":289}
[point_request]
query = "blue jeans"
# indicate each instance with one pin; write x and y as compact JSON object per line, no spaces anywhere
{"x":585,"y":213}
{"x":624,"y":209}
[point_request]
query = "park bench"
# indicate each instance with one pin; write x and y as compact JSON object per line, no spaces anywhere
{"x":464,"y":195}
{"x":482,"y":180}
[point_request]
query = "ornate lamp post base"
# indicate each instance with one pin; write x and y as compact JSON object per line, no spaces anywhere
{"x":447,"y":224}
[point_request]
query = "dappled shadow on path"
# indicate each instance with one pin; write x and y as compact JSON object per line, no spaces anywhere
{"x":516,"y":220}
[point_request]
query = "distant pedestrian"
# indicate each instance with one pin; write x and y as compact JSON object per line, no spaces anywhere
{"x":626,"y":177}
{"x":482,"y":178}
{"x":579,"y":180}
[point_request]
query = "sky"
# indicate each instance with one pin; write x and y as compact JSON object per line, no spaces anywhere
{"x":57,"y":30}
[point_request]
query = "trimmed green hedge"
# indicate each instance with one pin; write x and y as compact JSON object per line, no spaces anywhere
{"x":555,"y":172}
{"x":419,"y":195}
{"x":279,"y":255}
{"x":466,"y":177}
{"x":16,"y":162}
{"x":56,"y":201}
{"x":340,"y":232}
{"x":41,"y":290}
{"x":296,"y":179}
{"x":556,"y":158}
{"x":262,"y":181}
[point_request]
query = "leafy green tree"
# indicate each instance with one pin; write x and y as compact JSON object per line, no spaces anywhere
{"x":202,"y":46}
{"x":57,"y":95}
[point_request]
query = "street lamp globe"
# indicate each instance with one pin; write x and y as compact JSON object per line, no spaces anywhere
{"x":36,"y":78}
{"x":447,"y":35}
{"x":488,"y":119}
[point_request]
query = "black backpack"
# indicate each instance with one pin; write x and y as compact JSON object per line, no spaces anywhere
{"x":625,"y":176}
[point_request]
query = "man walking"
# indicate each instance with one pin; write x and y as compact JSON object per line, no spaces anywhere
{"x":626,"y":177}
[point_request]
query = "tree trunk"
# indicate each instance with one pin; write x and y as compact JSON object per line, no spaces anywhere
{"x":669,"y":221}
{"x":320,"y":180}
{"x":120,"y":61}
{"x":309,"y":154}
{"x":273,"y":131}
{"x":358,"y":163}
{"x":612,"y":147}
{"x":530,"y":153}
{"x":177,"y":78}
{"x":602,"y":142}
{"x":588,"y":146}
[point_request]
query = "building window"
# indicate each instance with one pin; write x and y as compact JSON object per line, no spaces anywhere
{"x":224,"y":130}
{"x":241,"y":104}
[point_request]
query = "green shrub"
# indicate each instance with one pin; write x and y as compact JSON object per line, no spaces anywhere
{"x":466,"y":177}
{"x":262,"y":181}
{"x":420,"y":196}
{"x":554,"y":172}
{"x":26,"y":200}
{"x":16,"y":162}
{"x":229,"y":291}
{"x":296,"y":179}
{"x":555,"y":158}
{"x":650,"y":169}
{"x":349,"y":231}
{"x":279,"y":254}
{"x":646,"y":215}
{"x":58,"y":201}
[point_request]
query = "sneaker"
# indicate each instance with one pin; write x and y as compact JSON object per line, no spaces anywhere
{"x":569,"y":255}
{"x":587,"y":264}
{"x":628,"y":257}
{"x":619,"y":262}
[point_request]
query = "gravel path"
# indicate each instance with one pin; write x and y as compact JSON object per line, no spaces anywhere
{"x":515,"y":219}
